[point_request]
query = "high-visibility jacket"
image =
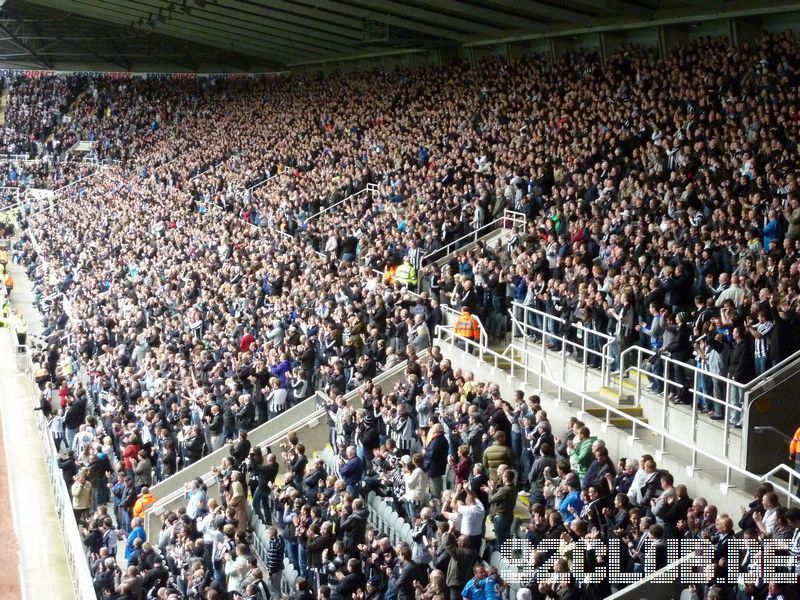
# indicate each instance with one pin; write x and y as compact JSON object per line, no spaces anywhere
{"x":388,"y":276}
{"x":142,"y":504}
{"x":9,"y":282}
{"x":794,"y":446}
{"x":406,"y":274}
{"x":467,"y":326}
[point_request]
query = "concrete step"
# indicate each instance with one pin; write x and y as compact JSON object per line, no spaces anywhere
{"x":612,"y":418}
{"x":634,"y":411}
{"x":612,"y":394}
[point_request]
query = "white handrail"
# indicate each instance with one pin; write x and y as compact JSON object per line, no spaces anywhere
{"x":77,"y":560}
{"x":517,"y":219}
{"x":443,"y":333}
{"x":636,"y":368}
{"x":370,"y":188}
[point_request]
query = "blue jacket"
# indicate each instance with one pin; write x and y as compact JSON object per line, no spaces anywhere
{"x":434,"y":463}
{"x":520,"y":289}
{"x":572,"y":499}
{"x":474,"y":591}
{"x":352,"y":470}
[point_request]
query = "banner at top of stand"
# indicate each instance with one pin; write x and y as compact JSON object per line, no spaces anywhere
{"x":35,"y":73}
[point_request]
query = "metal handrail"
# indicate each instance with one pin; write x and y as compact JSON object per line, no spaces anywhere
{"x":442,"y":333}
{"x":606,"y":359}
{"x":761,"y":379}
{"x":370,"y":188}
{"x":468,"y":238}
{"x":77,"y":559}
{"x":316,"y":414}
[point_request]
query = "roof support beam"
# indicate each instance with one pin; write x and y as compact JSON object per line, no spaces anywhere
{"x":113,"y":61}
{"x":23,"y":46}
{"x":314,"y":14}
{"x":382,"y":17}
{"x":145,"y":8}
{"x":538,"y":9}
{"x":414,"y":14}
{"x":216,"y":37}
{"x":252,"y":21}
{"x":500,"y":19}
{"x":278,"y":16}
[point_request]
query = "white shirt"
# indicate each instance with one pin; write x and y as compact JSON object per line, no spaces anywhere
{"x":81,"y":440}
{"x":472,"y":517}
{"x":770,"y":516}
{"x":277,"y":400}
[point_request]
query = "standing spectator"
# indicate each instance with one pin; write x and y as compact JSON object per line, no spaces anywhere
{"x":435,"y":460}
{"x":740,"y":369}
{"x":275,"y":554}
{"x":82,"y":494}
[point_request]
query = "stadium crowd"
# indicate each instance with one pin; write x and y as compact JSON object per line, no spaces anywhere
{"x":183,"y":309}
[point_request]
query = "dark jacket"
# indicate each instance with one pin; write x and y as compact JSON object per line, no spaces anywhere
{"x":354,"y":527}
{"x":316,"y":547}
{"x":352,"y":470}
{"x":350,"y":584}
{"x":194,"y":447}
{"x":459,"y":570}
{"x":741,"y":365}
{"x":434,"y":462}
{"x":246,"y":417}
{"x":409,"y":573}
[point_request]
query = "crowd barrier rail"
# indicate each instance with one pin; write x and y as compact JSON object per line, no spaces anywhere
{"x":785,"y":489}
{"x":75,"y":551}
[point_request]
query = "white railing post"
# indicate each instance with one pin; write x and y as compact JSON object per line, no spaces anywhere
{"x":585,"y":365}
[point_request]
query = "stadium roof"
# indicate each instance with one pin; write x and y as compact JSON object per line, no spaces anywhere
{"x":273,"y":34}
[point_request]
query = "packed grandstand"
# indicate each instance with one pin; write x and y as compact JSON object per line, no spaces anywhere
{"x":239,"y":246}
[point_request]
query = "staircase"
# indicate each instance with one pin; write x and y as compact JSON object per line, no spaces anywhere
{"x":707,"y":455}
{"x":611,"y":408}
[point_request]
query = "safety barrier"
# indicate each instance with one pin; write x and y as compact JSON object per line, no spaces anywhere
{"x":77,"y":559}
{"x":571,"y":338}
{"x":785,"y":489}
{"x":370,"y":188}
{"x":171,"y":490}
{"x":509,"y":220}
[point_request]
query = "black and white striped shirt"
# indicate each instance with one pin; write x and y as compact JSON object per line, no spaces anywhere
{"x":513,"y":243}
{"x":415,"y":257}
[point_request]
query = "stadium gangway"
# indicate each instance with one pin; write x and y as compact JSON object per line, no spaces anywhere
{"x":22,"y":158}
{"x":522,"y":368}
{"x":170,"y":491}
{"x":532,"y":322}
{"x":77,"y":559}
{"x":509,"y":219}
{"x":53,"y":196}
{"x":665,"y":583}
{"x":209,"y":169}
{"x":451,"y":315}
{"x":370,"y":188}
{"x":248,"y":191}
{"x":12,"y":190}
{"x":266,"y":180}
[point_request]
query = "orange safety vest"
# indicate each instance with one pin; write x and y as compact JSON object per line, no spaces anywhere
{"x":794,"y":446}
{"x":9,"y":282}
{"x":388,"y":276}
{"x":142,"y":504}
{"x":466,"y":326}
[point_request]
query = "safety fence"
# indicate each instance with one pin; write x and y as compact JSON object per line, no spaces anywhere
{"x":75,"y":551}
{"x":783,"y":478}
